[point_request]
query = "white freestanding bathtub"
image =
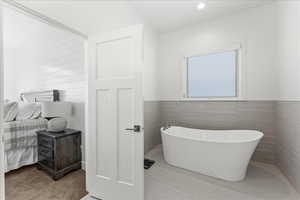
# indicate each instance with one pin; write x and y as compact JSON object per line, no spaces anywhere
{"x":221,"y":154}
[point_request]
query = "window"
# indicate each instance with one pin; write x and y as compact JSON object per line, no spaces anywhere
{"x":213,"y":75}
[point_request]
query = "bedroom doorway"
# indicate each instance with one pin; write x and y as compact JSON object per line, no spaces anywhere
{"x":44,"y":61}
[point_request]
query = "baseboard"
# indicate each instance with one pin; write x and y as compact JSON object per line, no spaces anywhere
{"x":83,"y":165}
{"x":88,"y":197}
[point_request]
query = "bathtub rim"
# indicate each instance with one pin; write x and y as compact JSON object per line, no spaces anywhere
{"x":257,"y":138}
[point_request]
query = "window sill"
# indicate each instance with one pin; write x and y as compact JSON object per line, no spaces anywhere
{"x":214,"y":99}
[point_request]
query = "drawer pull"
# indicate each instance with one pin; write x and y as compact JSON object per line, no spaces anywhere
{"x":45,"y":152}
{"x":45,"y":142}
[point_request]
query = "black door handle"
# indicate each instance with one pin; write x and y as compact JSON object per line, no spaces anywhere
{"x":136,"y":128}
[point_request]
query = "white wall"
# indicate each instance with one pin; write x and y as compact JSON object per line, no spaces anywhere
{"x":288,"y":50}
{"x":260,"y":31}
{"x":253,"y":29}
{"x":10,"y":89}
{"x":94,"y":17}
{"x":40,"y":57}
{"x":150,"y":71}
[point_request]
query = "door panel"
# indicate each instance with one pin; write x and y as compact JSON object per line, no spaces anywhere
{"x":125,"y":138}
{"x":103,"y":157}
{"x":115,"y":154}
{"x":115,"y":58}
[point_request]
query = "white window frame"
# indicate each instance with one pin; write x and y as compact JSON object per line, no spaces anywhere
{"x":238,"y":96}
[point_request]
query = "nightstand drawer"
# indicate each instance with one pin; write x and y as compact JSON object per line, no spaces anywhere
{"x":47,"y":163}
{"x":45,"y":141}
{"x":46,"y":152}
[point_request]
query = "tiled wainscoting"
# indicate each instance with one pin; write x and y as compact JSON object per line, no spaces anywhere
{"x":226,"y":115}
{"x":288,"y":140}
{"x":279,"y":121}
{"x":152,"y":120}
{"x":215,"y":115}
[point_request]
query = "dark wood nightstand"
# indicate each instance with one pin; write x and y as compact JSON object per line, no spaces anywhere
{"x":59,"y":153}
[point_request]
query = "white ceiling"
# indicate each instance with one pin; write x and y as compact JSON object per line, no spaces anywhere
{"x":164,"y":15}
{"x":17,"y":28}
{"x":168,"y":15}
{"x":19,"y":31}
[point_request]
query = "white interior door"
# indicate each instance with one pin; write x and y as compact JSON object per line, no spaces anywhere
{"x":115,"y":105}
{"x":2,"y":193}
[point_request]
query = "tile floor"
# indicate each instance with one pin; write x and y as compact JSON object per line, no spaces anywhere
{"x":165,"y":182}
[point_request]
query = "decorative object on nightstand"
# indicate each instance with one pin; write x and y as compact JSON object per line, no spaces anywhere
{"x":55,"y":111}
{"x":59,"y":153}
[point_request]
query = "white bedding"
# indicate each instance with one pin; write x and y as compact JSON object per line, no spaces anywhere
{"x":20,"y":142}
{"x":10,"y":110}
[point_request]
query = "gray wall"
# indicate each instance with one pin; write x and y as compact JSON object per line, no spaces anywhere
{"x":253,"y":115}
{"x":152,"y":118}
{"x":288,"y":140}
{"x":256,"y":115}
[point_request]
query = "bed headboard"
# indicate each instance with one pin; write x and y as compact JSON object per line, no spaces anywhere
{"x":40,"y":96}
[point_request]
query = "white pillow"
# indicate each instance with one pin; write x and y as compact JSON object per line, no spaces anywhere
{"x":28,"y":111}
{"x":10,"y":111}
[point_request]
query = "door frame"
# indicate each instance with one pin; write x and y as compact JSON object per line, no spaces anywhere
{"x":2,"y":180}
{"x":44,"y":19}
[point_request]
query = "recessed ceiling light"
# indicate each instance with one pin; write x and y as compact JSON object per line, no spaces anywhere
{"x":201,"y":5}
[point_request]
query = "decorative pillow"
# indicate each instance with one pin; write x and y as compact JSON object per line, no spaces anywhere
{"x":29,"y":111}
{"x":10,"y":111}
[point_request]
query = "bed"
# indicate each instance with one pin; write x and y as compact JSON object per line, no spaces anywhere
{"x":20,"y":142}
{"x":20,"y":139}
